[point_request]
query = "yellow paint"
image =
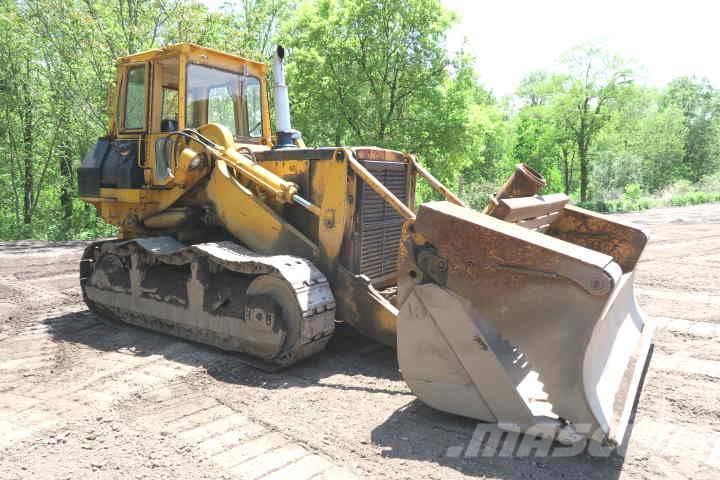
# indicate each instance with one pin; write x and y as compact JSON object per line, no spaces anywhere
{"x":280,"y":189}
{"x":328,"y":187}
{"x":186,"y":53}
{"x":254,"y":201}
{"x":250,"y":220}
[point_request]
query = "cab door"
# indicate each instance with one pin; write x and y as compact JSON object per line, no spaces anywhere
{"x":121,"y":157}
{"x":164,"y":120}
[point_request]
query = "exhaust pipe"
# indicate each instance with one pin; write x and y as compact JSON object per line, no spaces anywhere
{"x":286,"y":135}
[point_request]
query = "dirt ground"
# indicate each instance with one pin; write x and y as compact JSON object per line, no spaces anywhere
{"x":81,"y":397}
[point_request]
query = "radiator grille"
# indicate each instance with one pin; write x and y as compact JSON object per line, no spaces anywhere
{"x":379,"y":224}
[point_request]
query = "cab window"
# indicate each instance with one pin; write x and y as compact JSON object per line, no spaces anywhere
{"x":166,"y":101}
{"x":134,"y":118}
{"x":228,"y":98}
{"x":169,"y":110}
{"x":221,"y":108}
{"x":254,"y":108}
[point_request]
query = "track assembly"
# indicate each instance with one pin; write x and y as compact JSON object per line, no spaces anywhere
{"x":277,"y":308}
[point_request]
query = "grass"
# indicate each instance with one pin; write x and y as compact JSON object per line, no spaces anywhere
{"x":679,"y":194}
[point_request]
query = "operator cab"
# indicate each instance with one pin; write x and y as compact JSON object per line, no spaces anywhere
{"x":170,"y":89}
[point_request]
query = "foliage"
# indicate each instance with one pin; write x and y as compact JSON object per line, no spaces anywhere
{"x":377,"y":73}
{"x":710,"y":183}
{"x":360,"y":72}
{"x":699,"y":104}
{"x":477,"y":195}
{"x":679,"y":194}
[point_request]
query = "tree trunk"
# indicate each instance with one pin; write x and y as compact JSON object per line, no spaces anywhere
{"x":27,"y":149}
{"x":567,"y":169}
{"x":65,"y":170}
{"x":582,"y":149}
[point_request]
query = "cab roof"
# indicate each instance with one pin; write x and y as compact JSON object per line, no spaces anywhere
{"x":185,"y":48}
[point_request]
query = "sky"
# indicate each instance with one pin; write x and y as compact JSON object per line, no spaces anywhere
{"x":662,"y":39}
{"x":511,"y":38}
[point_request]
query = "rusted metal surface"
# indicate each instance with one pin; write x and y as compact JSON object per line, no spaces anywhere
{"x":522,"y":208}
{"x":362,"y":306}
{"x":569,"y":310}
{"x":378,"y":154}
{"x":477,"y":245}
{"x":622,"y":241}
{"x":552,"y":214}
{"x":540,"y":224}
{"x":524,"y":182}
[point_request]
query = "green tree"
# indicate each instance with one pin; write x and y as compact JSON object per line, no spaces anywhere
{"x":541,"y":134}
{"x":361,"y":72}
{"x":642,"y":144}
{"x":369,"y":72}
{"x":699,"y":103}
{"x":30,"y":118}
{"x":598,"y":83}
{"x":661,"y":145}
{"x":246,"y":27}
{"x":375,"y":60}
{"x":59,"y":62}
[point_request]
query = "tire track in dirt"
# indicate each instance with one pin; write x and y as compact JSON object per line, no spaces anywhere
{"x":677,"y":434}
{"x":61,"y":369}
{"x":235,"y":442}
{"x":206,"y":425}
{"x":112,"y":365}
{"x":29,"y":408}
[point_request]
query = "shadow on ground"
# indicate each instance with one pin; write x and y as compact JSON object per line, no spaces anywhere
{"x":418,"y":432}
{"x":348,"y":353}
{"x":415,"y":432}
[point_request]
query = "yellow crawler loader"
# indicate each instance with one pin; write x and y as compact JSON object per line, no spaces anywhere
{"x":523,"y":314}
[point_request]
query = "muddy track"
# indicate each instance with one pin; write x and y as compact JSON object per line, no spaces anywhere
{"x":82,"y":396}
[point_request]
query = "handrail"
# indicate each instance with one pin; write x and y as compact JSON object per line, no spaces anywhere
{"x":435,"y":183}
{"x":378,"y":187}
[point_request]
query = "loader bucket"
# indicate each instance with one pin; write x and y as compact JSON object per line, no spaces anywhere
{"x":527,"y":322}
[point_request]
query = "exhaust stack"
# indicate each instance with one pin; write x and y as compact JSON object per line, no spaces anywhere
{"x":286,"y":135}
